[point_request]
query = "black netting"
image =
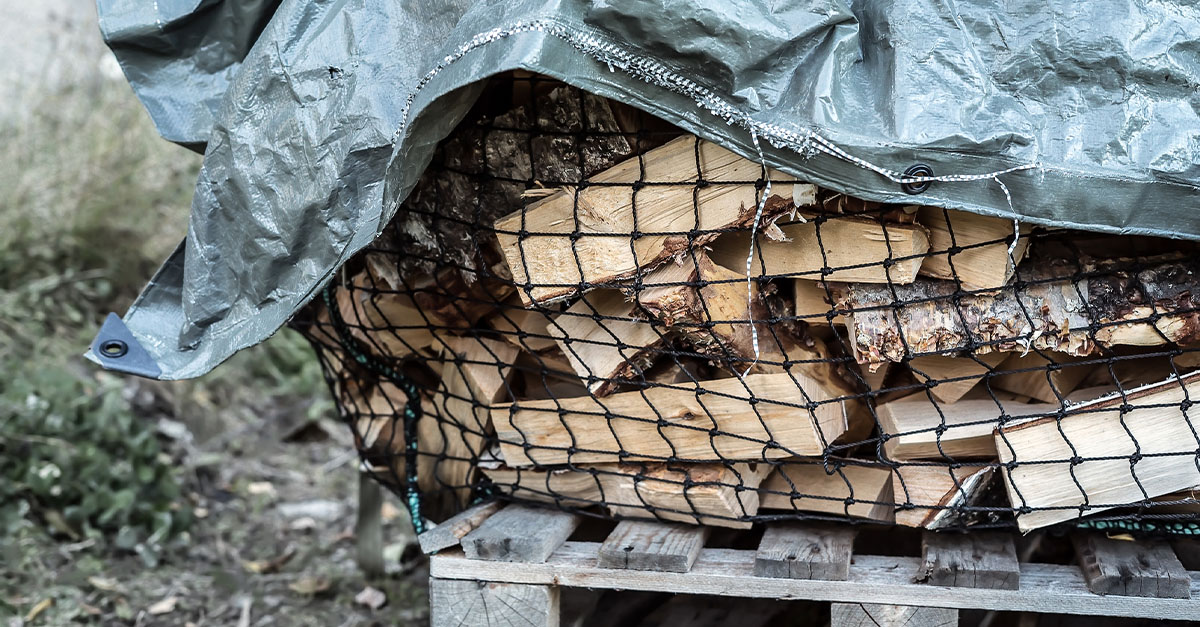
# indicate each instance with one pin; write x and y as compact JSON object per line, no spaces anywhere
{"x":561,"y":312}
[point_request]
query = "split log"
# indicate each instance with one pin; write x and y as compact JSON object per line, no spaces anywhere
{"x":452,"y":427}
{"x":705,"y":494}
{"x":714,"y":421}
{"x":568,"y":487}
{"x":984,"y":261}
{"x":955,"y":376}
{"x":812,"y":303}
{"x":1102,"y":439}
{"x":912,"y":423}
{"x":853,"y":248}
{"x":553,"y":264}
{"x":556,"y":136}
{"x":527,"y":329}
{"x":806,"y":487}
{"x":1052,"y":313}
{"x":605,"y":341}
{"x":926,"y":496}
{"x":387,"y":323}
{"x":547,"y":375}
{"x":709,"y":305}
{"x":1032,"y":375}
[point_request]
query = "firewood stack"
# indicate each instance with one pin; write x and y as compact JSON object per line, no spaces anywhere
{"x":599,"y":310}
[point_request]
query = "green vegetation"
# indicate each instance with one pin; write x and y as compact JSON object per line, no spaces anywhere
{"x":93,"y":201}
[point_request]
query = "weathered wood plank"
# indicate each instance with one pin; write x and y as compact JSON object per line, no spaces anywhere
{"x":451,"y":531}
{"x":875,"y":615}
{"x":804,"y":552}
{"x":465,"y":603}
{"x":662,"y":547}
{"x":1145,"y":568}
{"x":970,"y":560}
{"x":1061,"y":589}
{"x":520,"y":534}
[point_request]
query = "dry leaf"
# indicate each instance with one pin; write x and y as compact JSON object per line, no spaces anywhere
{"x":260,"y":487}
{"x":104,"y":583}
{"x":165,"y":606}
{"x":389,"y":512}
{"x":38,"y":609}
{"x":309,"y":585}
{"x":304,"y":523}
{"x":373,"y":598}
{"x":262,"y":567}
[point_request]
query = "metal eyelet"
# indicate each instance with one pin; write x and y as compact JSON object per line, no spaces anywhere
{"x":916,"y":170}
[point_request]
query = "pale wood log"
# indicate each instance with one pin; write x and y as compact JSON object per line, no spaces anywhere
{"x":1052,"y":313}
{"x":924,"y":495}
{"x":807,"y":487}
{"x":587,"y":429}
{"x":853,"y":248}
{"x":984,"y":263}
{"x":565,"y":487}
{"x":875,"y":379}
{"x":912,"y":424}
{"x":450,"y":532}
{"x":804,"y":552}
{"x":812,"y":303}
{"x":1143,"y":568}
{"x":604,"y":213}
{"x":1040,"y":381}
{"x":955,"y":375}
{"x":709,"y":305}
{"x":874,"y":615}
{"x":1104,"y":439}
{"x":465,"y":603}
{"x":386,"y":323}
{"x":604,"y":351}
{"x":527,"y":329}
{"x":520,"y":534}
{"x":665,"y":547}
{"x":554,"y":134}
{"x":980,"y":559}
{"x":706,"y":494}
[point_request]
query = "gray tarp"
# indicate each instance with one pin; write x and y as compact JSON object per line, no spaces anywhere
{"x":318,"y":116}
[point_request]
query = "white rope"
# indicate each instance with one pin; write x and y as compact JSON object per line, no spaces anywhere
{"x":758,"y":211}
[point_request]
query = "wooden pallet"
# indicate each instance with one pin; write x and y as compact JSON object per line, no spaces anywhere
{"x":499,"y":566}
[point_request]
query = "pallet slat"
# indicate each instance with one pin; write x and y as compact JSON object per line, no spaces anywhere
{"x":652,"y":546}
{"x":800,"y":552}
{"x":971,"y":560}
{"x":451,"y":532}
{"x":520,"y":534}
{"x":1060,"y":589}
{"x":1142,"y":569}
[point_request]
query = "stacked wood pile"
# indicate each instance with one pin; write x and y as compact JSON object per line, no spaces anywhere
{"x":582,"y":318}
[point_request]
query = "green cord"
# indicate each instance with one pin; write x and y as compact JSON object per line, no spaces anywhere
{"x":412,"y":407}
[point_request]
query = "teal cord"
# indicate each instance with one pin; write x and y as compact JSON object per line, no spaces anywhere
{"x":412,"y":406}
{"x":1142,"y":526}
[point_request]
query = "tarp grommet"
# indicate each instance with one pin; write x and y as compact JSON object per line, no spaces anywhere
{"x":916,"y":170}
